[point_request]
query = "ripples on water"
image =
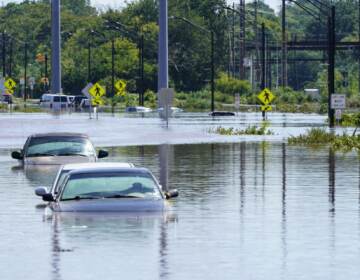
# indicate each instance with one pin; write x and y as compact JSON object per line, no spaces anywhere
{"x":249,"y":210}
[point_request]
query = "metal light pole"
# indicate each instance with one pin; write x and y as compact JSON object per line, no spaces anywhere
{"x":163,"y":55}
{"x":4,"y":53}
{"x":56,"y":47}
{"x":212,"y":71}
{"x":331,"y":71}
{"x":25,"y":72}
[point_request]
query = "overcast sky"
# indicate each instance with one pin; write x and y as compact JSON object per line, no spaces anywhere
{"x":120,"y":3}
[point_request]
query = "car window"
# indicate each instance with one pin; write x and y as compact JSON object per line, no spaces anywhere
{"x":107,"y":185}
{"x":59,"y":146}
{"x":64,"y":99}
{"x":56,"y":98}
{"x":60,"y":181}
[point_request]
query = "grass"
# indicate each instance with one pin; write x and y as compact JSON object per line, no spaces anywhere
{"x":316,"y":137}
{"x":251,"y":130}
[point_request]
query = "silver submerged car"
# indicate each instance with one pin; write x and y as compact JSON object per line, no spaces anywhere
{"x":111,"y":187}
{"x":57,"y":149}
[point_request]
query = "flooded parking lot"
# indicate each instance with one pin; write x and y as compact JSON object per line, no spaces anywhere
{"x":250,"y":210}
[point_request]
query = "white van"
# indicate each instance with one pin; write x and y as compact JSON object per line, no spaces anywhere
{"x":55,"y":101}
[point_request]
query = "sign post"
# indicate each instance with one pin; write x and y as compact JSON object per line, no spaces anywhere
{"x":86,"y":92}
{"x":266,"y":97}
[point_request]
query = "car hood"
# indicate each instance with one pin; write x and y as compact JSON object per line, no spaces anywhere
{"x":110,"y":205}
{"x":57,"y":160}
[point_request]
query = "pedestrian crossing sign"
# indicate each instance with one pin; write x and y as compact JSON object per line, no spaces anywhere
{"x":10,"y":84}
{"x":266,"y":96}
{"x":97,"y":91}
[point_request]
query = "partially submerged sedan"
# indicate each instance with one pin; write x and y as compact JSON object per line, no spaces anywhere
{"x":107,"y":189}
{"x":57,"y":149}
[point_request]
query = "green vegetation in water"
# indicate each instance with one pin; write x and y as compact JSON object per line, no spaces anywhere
{"x":316,"y":137}
{"x":251,"y":130}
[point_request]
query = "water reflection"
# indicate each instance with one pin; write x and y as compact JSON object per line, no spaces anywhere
{"x":91,"y":229}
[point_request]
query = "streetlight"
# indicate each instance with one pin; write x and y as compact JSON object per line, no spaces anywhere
{"x":122,"y":28}
{"x":212,"y":38}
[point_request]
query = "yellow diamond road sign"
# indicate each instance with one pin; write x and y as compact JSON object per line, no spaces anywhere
{"x":10,"y":83}
{"x":266,"y":96}
{"x":97,"y":101}
{"x":266,"y":108}
{"x":97,"y":91}
{"x":120,"y":86}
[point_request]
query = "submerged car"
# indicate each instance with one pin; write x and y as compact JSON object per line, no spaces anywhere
{"x":114,"y":187}
{"x":57,"y":149}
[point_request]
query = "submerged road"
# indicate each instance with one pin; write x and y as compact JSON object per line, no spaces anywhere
{"x":130,"y":130}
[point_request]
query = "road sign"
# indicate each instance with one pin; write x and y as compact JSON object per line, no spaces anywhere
{"x":237,"y":101}
{"x":97,"y":90}
{"x":338,"y":114}
{"x":86,"y":92}
{"x":266,"y":108}
{"x":121,"y":87}
{"x":266,"y":96}
{"x":97,"y":101}
{"x":338,"y":101}
{"x":9,"y":91}
{"x":10,"y":83}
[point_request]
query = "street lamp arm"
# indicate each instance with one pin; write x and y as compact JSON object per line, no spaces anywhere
{"x":191,"y":23}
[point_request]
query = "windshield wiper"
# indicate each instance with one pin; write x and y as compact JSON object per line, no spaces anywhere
{"x":82,"y":198}
{"x":121,"y":196}
{"x":71,"y":154}
{"x":41,"y":155}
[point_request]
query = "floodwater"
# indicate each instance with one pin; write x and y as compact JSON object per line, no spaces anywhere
{"x":247,"y":210}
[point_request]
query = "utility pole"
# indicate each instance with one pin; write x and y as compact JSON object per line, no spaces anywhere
{"x":256,"y":68}
{"x":263,"y":57}
{"x":233,"y":43}
{"x":331,"y":62}
{"x":89,"y":62}
{"x":46,"y":73}
{"x":112,"y":67}
{"x":212,"y":70}
{"x":242,"y":38}
{"x":284,"y":78}
{"x":142,"y":99}
{"x":56,"y":47}
{"x":163,"y":59}
{"x":11,"y":57}
{"x":359,"y":48}
{"x":4,"y":53}
{"x":25,"y":72}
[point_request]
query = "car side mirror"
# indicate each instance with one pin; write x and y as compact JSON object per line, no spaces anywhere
{"x":171,"y":194}
{"x":17,"y":155}
{"x":44,"y":193}
{"x":103,"y":154}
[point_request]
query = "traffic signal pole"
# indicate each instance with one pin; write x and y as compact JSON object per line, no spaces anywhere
{"x":331,"y":62}
{"x":55,"y":47}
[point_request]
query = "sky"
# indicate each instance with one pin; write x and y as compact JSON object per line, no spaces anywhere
{"x":120,"y":3}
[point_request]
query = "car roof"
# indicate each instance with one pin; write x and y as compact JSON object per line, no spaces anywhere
{"x":59,"y":134}
{"x":133,"y":170}
{"x":97,"y":166}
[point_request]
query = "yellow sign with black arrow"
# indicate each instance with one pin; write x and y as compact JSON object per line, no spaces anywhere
{"x":121,"y":87}
{"x":266,"y":108}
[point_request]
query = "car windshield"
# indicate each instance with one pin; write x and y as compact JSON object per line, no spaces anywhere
{"x":110,"y":185}
{"x":59,"y":146}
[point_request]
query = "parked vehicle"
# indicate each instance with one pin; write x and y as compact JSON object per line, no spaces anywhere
{"x":6,"y":99}
{"x":138,"y":109}
{"x":78,"y":100}
{"x":56,"y":101}
{"x":100,"y":188}
{"x":57,"y":149}
{"x":84,"y":104}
